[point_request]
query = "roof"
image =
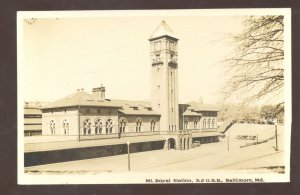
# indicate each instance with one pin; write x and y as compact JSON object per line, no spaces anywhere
{"x":197,"y":106}
{"x":191,"y":113}
{"x":162,"y":30}
{"x":32,"y":111}
{"x":81,"y":98}
{"x":131,"y":107}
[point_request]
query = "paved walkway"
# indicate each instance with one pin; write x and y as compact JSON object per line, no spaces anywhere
{"x":213,"y":156}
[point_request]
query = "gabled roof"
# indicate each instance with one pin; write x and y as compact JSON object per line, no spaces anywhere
{"x":81,"y":98}
{"x":191,"y":113}
{"x":162,"y":30}
{"x":197,"y":106}
{"x":131,"y":107}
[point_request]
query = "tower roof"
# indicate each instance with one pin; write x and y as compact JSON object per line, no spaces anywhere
{"x":162,"y":30}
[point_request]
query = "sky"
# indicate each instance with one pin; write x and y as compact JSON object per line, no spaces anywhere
{"x":61,"y":55}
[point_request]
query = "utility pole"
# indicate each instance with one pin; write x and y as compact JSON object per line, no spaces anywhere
{"x":276,"y":148}
{"x":228,"y":135}
{"x":128,"y":151}
{"x":78,"y":123}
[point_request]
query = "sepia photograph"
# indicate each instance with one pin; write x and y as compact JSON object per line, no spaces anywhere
{"x":154,"y":96}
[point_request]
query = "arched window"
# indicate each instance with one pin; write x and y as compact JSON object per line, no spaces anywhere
{"x":186,"y":124}
{"x":208,"y":123}
{"x":152,"y":125}
{"x":52,"y":127}
{"x":195,"y":123}
{"x":87,"y":124}
{"x":109,"y":126}
{"x":122,"y":125}
{"x":65,"y":126}
{"x":204,"y":123}
{"x":138,"y":125}
{"x":213,"y":123}
{"x":98,"y":126}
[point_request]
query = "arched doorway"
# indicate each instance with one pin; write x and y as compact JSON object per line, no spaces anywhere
{"x":172,"y":143}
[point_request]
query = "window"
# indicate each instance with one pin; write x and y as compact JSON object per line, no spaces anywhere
{"x":185,"y":124}
{"x":65,"y":126}
{"x":109,"y":126}
{"x":152,"y":125}
{"x":87,"y":110}
{"x":204,"y":123}
{"x":213,"y":123}
{"x":138,"y":125}
{"x":87,"y":126}
{"x":122,"y":125}
{"x":158,"y":86}
{"x":52,"y":127}
{"x":195,"y":123}
{"x":98,"y":126}
{"x":208,"y":123}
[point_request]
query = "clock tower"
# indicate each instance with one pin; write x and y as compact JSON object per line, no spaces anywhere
{"x":164,"y":89}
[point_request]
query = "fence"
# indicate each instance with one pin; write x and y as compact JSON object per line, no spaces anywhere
{"x":258,"y":142}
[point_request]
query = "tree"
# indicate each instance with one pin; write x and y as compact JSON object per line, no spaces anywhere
{"x":256,"y":68}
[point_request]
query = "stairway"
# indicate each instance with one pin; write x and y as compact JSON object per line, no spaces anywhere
{"x":226,"y":125}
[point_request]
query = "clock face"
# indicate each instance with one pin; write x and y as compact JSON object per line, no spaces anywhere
{"x":157,"y":46}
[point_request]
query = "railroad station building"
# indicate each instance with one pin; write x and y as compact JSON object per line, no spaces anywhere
{"x":85,"y":115}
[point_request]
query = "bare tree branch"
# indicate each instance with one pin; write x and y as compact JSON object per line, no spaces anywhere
{"x":257,"y":65}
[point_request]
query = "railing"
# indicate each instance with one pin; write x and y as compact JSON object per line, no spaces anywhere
{"x":117,"y":135}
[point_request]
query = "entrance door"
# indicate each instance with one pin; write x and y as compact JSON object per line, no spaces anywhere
{"x":171,"y":143}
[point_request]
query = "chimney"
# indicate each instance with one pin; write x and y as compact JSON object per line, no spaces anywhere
{"x":99,"y":92}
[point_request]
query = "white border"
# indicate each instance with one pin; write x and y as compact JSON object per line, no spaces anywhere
{"x":139,"y":177}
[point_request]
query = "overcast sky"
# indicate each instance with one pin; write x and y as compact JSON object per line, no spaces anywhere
{"x":62,"y":55}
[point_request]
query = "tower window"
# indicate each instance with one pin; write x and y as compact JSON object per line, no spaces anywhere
{"x":157,"y":69}
{"x":158,"y":86}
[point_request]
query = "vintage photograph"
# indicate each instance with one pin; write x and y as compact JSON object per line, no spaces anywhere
{"x":154,"y":96}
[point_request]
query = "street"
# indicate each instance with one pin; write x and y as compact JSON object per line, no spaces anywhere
{"x":212,"y":156}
